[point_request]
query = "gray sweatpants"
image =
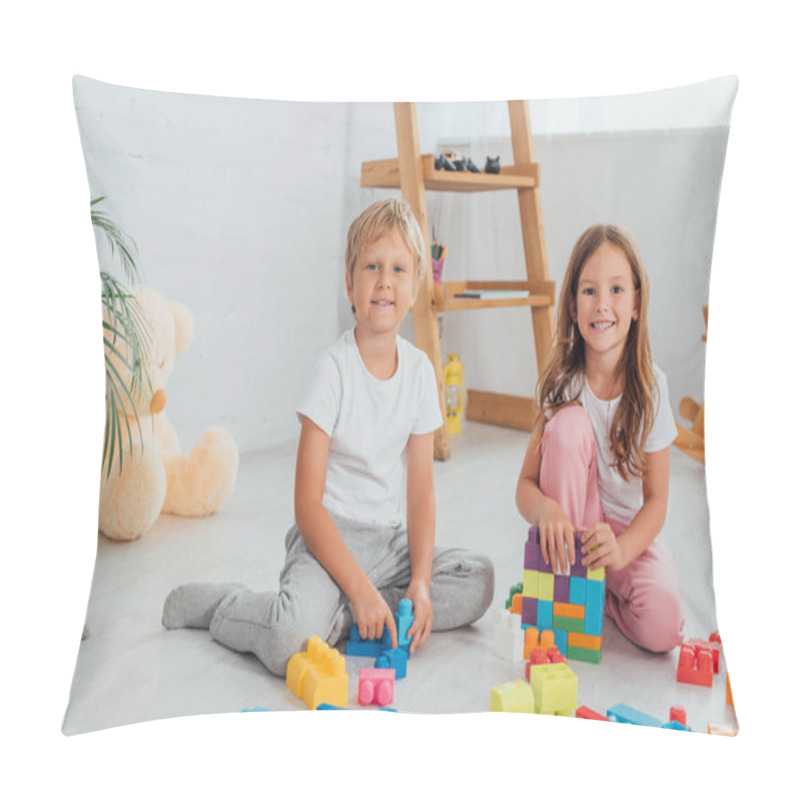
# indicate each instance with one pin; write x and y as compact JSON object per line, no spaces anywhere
{"x":275,"y":625}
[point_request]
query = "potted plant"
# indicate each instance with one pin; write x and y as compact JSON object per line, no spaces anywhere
{"x":125,"y":340}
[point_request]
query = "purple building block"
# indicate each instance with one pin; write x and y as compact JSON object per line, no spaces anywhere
{"x":529,"y":610}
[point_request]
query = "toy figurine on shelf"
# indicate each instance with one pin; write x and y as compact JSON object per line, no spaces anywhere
{"x":454,"y":393}
{"x":492,"y":165}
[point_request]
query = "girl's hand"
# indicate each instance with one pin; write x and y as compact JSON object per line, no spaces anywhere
{"x":372,"y":614}
{"x":600,"y":548}
{"x":556,"y":536}
{"x":419,"y":595}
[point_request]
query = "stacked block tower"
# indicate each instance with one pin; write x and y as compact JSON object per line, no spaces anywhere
{"x":569,"y":601}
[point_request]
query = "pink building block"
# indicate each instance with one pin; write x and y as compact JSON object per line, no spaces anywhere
{"x":375,"y":686}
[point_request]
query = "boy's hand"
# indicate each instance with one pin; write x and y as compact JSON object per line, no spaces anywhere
{"x":556,"y":536}
{"x":600,"y":548}
{"x":420,"y":597}
{"x":372,"y":614}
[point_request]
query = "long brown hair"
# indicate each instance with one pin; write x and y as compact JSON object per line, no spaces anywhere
{"x":562,"y":379}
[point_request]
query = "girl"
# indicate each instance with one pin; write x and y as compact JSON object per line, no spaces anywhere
{"x":598,"y":460}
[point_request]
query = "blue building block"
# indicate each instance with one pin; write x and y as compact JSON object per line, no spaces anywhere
{"x":386,"y":708}
{"x":577,"y":591}
{"x":544,"y":615}
{"x":622,"y":713}
{"x":674,"y":725}
{"x":329,"y":707}
{"x":356,"y":646}
{"x":562,"y":640}
{"x":404,"y":618}
{"x":255,"y":708}
{"x":595,"y":602}
{"x":396,"y":659}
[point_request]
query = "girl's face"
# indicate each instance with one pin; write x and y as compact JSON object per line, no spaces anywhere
{"x":606,"y":302}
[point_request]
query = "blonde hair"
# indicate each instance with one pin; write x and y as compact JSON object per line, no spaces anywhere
{"x":380,"y":219}
{"x":562,"y":379}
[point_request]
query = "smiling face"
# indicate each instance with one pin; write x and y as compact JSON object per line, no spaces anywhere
{"x":384,"y":284}
{"x":606,"y":302}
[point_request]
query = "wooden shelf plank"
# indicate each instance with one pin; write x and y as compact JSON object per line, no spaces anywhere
{"x":507,"y":410}
{"x":386,"y":175}
{"x":541,"y":295}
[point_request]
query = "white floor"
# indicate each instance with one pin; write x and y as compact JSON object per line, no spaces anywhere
{"x":130,"y":669}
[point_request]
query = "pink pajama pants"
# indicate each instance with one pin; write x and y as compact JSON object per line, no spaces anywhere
{"x":643,"y":599}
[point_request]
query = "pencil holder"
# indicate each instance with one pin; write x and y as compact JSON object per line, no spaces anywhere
{"x":437,"y":264}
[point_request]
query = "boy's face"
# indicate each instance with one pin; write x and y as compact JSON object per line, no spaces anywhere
{"x":384,"y":284}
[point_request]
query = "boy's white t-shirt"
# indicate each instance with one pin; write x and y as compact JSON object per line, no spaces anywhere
{"x":369,"y":421}
{"x":620,"y":499}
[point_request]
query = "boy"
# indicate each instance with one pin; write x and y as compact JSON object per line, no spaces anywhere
{"x":368,"y":419}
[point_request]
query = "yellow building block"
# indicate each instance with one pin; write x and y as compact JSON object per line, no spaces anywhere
{"x":598,"y":574}
{"x":530,"y":583}
{"x":514,"y":696}
{"x":546,"y":586}
{"x":555,"y":689}
{"x":317,"y":675}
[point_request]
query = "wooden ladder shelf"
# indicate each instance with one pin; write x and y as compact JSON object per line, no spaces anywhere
{"x":414,"y":173}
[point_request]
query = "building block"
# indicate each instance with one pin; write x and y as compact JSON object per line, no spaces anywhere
{"x":674,"y":725}
{"x":530,"y":609}
{"x":677,"y":714}
{"x":561,"y":640}
{"x":577,"y":591}
{"x":555,"y":689}
{"x":622,"y":713}
{"x":544,"y":614}
{"x":512,"y":697}
{"x":695,"y":665}
{"x":515,"y":589}
{"x":595,"y":603}
{"x":356,"y":646}
{"x":721,"y":729}
{"x":571,"y":610}
{"x":561,"y":588}
{"x":530,"y":583}
{"x":516,"y":604}
{"x":509,"y":638}
{"x":329,"y":707}
{"x":714,"y":646}
{"x":586,"y":713}
{"x":540,"y":655}
{"x":569,"y":624}
{"x":584,"y":654}
{"x":396,"y":659}
{"x":317,"y":675}
{"x":728,"y":693}
{"x":375,"y":686}
{"x":585,"y":640}
{"x":404,"y":618}
{"x":254,"y":708}
{"x":572,"y":602}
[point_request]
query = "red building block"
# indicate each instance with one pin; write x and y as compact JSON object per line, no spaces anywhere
{"x":677,"y":714}
{"x":586,"y":713}
{"x":696,"y":664}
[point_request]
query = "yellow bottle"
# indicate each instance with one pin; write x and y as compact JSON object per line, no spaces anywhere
{"x":454,"y":393}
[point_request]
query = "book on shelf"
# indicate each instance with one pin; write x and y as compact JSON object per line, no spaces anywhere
{"x":493,"y":294}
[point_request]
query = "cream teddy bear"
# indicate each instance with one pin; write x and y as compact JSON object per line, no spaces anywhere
{"x":156,"y":477}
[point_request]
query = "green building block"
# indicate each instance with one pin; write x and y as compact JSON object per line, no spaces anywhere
{"x":584,"y":654}
{"x":568,"y":624}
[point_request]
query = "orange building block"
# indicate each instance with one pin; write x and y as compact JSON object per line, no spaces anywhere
{"x":585,"y":640}
{"x":516,"y":604}
{"x":570,"y":610}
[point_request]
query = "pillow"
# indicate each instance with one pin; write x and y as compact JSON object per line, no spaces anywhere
{"x":234,"y":214}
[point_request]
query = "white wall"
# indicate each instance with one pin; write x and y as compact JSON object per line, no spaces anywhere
{"x":240,"y":210}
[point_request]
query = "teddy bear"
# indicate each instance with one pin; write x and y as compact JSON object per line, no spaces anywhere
{"x":156,"y":476}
